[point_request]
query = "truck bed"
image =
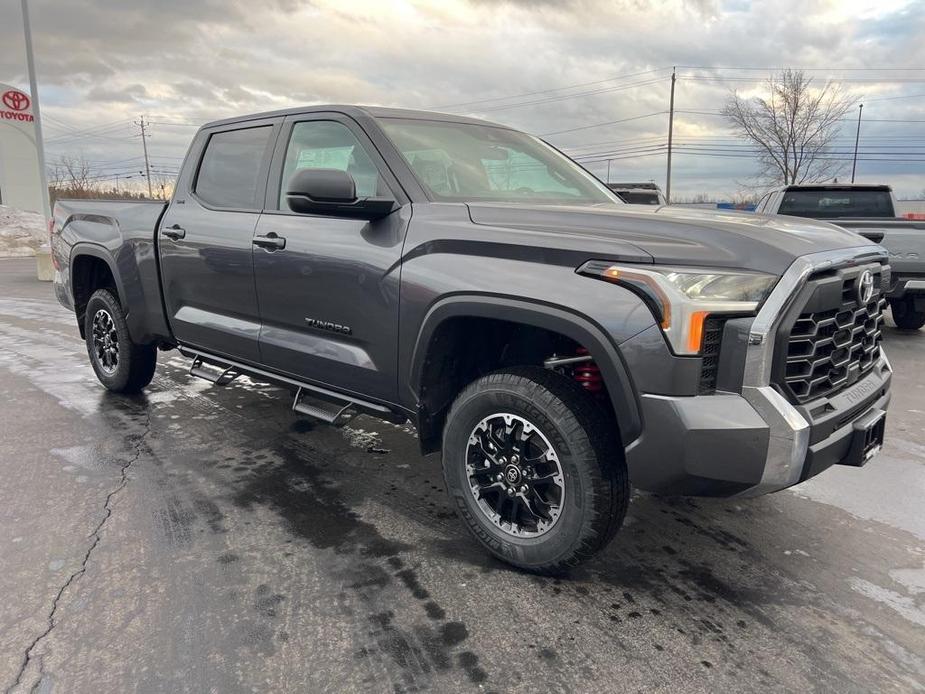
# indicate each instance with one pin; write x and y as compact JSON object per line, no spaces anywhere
{"x":903,"y":238}
{"x":119,"y":236}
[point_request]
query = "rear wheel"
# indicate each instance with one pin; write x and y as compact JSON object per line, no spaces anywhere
{"x":534,"y":469}
{"x":120,"y":364}
{"x":905,"y":315}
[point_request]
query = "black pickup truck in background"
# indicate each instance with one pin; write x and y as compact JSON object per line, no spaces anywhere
{"x":554,"y":343}
{"x":639,"y":193}
{"x":868,"y":210}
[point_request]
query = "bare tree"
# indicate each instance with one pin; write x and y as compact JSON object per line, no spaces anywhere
{"x":162,"y":184}
{"x":793,"y":128}
{"x":74,"y":177}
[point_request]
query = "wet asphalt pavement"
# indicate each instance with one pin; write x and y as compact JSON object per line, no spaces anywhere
{"x":205,"y":539}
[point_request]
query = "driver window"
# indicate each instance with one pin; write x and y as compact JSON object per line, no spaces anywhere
{"x":326,"y":144}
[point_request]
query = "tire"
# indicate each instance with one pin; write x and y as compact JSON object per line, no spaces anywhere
{"x":586,"y":459}
{"x":905,"y":315}
{"x":120,"y":364}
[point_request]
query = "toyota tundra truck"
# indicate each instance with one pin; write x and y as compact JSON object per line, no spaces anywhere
{"x":555,"y":344}
{"x":868,"y":210}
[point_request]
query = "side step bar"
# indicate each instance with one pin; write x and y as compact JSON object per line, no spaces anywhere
{"x":336,"y":413}
{"x":311,"y":400}
{"x":208,"y":372}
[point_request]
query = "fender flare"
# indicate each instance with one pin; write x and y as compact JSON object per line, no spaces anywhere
{"x":86,"y":248}
{"x":573,"y":325}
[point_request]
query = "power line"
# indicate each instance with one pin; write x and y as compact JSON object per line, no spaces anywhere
{"x":894,"y":98}
{"x":183,"y":125}
{"x":806,"y":69}
{"x":599,"y":125}
{"x":758,"y":80}
{"x":554,"y":89}
{"x":566,"y":97}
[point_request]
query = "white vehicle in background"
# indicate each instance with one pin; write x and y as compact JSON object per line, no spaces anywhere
{"x":868,"y":210}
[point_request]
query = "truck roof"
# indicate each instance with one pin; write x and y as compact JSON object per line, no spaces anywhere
{"x":355,"y":111}
{"x":837,"y":186}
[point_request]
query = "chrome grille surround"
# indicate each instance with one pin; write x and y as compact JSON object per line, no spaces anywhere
{"x":788,"y":428}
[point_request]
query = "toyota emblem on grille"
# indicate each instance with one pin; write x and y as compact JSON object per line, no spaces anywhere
{"x":865,"y":287}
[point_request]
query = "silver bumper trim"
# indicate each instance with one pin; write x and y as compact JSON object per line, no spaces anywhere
{"x":915,"y":284}
{"x":789,"y":430}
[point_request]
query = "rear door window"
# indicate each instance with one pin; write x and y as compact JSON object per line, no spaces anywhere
{"x":230,"y":172}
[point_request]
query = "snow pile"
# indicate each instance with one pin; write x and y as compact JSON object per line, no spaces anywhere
{"x":21,"y":233}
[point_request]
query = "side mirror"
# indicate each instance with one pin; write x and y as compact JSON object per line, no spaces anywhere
{"x":332,"y":192}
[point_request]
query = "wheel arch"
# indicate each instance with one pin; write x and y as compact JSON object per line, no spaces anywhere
{"x":90,"y":267}
{"x":532,"y":314}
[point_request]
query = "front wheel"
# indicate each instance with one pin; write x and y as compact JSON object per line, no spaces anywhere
{"x":534,"y":468}
{"x":120,"y":364}
{"x":905,"y":315}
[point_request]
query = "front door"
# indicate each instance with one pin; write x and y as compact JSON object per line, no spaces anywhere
{"x":328,"y":294}
{"x":206,"y":241}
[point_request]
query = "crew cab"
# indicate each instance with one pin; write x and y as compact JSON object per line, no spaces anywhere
{"x":869,"y":210}
{"x":552,"y":342}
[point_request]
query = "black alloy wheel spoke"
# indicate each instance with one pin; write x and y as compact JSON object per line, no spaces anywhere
{"x":105,"y":341}
{"x":514,"y":475}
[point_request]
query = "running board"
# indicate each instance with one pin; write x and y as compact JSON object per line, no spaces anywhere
{"x":211,"y":372}
{"x":335,"y":413}
{"x":311,"y":400}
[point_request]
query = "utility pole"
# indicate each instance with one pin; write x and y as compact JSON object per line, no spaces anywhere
{"x":36,"y":112}
{"x":670,"y":133}
{"x":144,"y":143}
{"x":857,"y":137}
{"x":608,"y":170}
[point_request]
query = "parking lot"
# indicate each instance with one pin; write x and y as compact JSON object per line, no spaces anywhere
{"x":199,"y":538}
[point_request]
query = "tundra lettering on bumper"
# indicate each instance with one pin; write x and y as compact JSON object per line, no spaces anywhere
{"x":758,"y":441}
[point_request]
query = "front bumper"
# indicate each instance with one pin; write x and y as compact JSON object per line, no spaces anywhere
{"x":755,"y":441}
{"x":732,"y":445}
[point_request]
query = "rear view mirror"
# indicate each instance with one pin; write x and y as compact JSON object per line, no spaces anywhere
{"x":332,"y":192}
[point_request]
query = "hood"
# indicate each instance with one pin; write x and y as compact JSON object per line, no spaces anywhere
{"x":676,"y":235}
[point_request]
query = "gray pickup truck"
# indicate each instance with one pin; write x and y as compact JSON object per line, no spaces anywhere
{"x":554,"y":343}
{"x":868,"y":210}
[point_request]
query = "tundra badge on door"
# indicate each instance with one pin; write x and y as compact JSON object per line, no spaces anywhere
{"x":328,"y":325}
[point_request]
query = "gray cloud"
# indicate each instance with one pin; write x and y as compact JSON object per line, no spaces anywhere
{"x":183,"y":61}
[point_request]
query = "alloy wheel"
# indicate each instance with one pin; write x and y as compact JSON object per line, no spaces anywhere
{"x":515,"y":475}
{"x":105,"y":341}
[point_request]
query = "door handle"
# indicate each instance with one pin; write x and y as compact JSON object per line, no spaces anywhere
{"x":174,"y":232}
{"x":270,"y":242}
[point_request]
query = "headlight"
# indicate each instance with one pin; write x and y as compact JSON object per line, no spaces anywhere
{"x":682,"y":297}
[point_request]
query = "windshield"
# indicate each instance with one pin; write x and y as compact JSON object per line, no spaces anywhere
{"x":829,"y":204}
{"x":462,"y":162}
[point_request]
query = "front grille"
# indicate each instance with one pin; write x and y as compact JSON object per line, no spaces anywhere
{"x":831,"y":348}
{"x":712,"y":339}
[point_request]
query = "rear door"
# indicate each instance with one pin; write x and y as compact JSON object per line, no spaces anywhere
{"x":329,"y":297}
{"x":206,"y":236}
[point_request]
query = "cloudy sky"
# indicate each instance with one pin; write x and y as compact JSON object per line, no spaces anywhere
{"x":566,"y":69}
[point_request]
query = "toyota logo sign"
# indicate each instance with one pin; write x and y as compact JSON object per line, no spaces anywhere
{"x":15,"y":100}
